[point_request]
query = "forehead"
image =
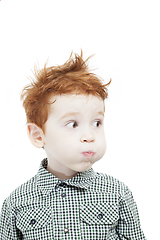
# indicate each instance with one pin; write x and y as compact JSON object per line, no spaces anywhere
{"x":69,"y":102}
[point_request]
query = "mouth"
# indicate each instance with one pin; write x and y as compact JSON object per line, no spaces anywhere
{"x":88,"y":154}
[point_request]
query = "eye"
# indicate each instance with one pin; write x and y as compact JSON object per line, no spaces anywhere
{"x":97,"y":123}
{"x":72,"y":124}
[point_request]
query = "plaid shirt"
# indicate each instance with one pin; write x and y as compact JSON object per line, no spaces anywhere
{"x":90,"y":206}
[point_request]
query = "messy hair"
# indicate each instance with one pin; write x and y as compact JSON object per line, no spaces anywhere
{"x":73,"y":77}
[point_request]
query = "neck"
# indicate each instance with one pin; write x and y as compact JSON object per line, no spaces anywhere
{"x":61,"y":175}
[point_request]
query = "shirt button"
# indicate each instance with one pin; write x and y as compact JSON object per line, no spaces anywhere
{"x":66,"y":230}
{"x":100,"y":216}
{"x":63,"y":195}
{"x":61,"y":184}
{"x":33,"y":221}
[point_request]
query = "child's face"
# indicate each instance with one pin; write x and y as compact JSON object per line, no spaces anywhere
{"x":74,"y":134}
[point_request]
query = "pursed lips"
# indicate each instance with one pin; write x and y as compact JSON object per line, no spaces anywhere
{"x":88,"y":154}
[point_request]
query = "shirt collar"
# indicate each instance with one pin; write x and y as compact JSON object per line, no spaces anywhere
{"x":47,"y":181}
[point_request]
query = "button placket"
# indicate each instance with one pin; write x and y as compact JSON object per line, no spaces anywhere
{"x":60,"y":189}
{"x":61,"y":186}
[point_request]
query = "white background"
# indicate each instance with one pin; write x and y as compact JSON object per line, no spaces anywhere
{"x":125,"y":36}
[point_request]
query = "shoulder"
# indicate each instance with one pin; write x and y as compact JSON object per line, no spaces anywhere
{"x":109,"y":184}
{"x":22,"y":194}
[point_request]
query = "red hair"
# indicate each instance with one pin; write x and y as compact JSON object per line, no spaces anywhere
{"x":73,"y":77}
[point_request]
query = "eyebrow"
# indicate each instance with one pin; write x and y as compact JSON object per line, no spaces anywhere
{"x":101,"y":113}
{"x":69,"y":114}
{"x":76,"y":113}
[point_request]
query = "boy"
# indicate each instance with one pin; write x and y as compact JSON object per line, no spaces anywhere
{"x":67,"y":199}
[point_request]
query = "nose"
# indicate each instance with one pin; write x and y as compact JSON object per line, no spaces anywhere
{"x":87,"y":136}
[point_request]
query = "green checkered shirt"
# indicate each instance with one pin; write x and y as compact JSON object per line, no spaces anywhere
{"x":90,"y":206}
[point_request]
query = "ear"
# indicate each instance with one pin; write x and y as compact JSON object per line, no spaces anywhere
{"x":36,"y":135}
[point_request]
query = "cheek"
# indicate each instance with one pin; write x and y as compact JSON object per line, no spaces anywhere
{"x":53,"y":141}
{"x":102,"y":142}
{"x":67,"y":143}
{"x":69,"y":138}
{"x":104,"y":145}
{"x":101,"y":136}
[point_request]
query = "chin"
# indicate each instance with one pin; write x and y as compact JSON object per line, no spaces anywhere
{"x":87,"y":165}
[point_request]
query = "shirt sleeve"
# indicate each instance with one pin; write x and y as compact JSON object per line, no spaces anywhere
{"x":129,"y":223}
{"x":8,"y":229}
